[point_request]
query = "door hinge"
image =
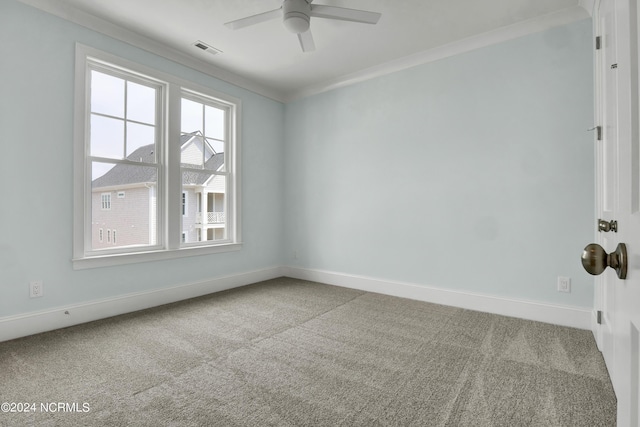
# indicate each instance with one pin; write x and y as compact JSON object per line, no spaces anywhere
{"x":598,"y":41}
{"x":607,"y":226}
{"x":599,"y":317}
{"x":598,"y":130}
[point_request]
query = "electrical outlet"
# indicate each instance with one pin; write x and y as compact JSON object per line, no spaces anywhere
{"x":564,"y":284}
{"x":36,"y":289}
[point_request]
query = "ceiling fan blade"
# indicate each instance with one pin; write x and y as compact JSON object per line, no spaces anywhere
{"x":344,"y":14}
{"x":254,"y":19}
{"x":306,"y":41}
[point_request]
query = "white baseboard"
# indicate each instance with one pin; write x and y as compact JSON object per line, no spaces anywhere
{"x":12,"y":327}
{"x":596,"y":329}
{"x":32,"y":323}
{"x":575,"y":317}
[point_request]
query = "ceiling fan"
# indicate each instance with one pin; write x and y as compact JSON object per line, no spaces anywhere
{"x":296,"y":15}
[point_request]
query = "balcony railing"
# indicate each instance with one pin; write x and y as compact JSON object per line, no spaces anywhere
{"x":212,"y":218}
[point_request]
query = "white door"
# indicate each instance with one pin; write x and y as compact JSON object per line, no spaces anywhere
{"x":618,"y":198}
{"x":606,"y":182}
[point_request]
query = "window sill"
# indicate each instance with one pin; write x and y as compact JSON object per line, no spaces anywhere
{"x":132,"y":258}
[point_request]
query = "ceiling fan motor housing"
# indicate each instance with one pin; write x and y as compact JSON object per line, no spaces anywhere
{"x":295,"y":15}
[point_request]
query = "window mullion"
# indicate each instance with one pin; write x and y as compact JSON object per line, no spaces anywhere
{"x":120,"y":161}
{"x":126,"y":102}
{"x":207,"y":171}
{"x":204,"y":135}
{"x":109,"y":116}
{"x":174,"y":174}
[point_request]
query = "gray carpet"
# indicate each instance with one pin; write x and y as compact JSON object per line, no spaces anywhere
{"x":292,"y":353}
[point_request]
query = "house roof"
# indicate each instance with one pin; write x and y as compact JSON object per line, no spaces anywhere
{"x":122,"y":174}
{"x":212,"y":164}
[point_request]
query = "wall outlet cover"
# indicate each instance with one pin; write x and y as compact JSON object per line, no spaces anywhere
{"x":35,"y":289}
{"x":564,"y":284}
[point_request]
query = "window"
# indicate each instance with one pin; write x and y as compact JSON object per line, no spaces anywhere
{"x":204,"y":145}
{"x":106,"y":201}
{"x":169,"y":143}
{"x":101,"y":235}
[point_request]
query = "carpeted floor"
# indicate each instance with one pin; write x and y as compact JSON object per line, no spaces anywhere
{"x":292,"y":353}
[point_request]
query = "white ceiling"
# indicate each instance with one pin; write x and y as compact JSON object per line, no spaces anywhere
{"x":269,"y":56}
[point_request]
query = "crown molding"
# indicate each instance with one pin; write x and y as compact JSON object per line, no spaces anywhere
{"x":534,"y":25}
{"x":589,"y":6}
{"x":563,"y":17}
{"x":130,"y":37}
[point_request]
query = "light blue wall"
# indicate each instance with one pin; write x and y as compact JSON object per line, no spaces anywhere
{"x":36,"y":174}
{"x":472,"y":173}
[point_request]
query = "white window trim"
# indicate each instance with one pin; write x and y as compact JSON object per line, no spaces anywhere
{"x":230,"y":159}
{"x":170,"y":234}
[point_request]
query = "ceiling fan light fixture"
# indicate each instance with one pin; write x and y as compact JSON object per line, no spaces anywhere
{"x":296,"y":22}
{"x":296,"y":17}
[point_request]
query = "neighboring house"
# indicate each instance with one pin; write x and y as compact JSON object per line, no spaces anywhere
{"x":202,"y":191}
{"x":124,"y":199}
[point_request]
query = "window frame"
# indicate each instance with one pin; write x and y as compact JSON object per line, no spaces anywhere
{"x":207,"y":100}
{"x":169,"y":242}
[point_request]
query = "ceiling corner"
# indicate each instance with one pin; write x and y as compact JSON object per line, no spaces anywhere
{"x":143,"y":42}
{"x":588,"y":5}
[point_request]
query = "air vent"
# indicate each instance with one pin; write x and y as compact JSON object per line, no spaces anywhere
{"x":207,"y":48}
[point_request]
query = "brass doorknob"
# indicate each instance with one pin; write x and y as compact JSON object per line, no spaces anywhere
{"x":595,"y":259}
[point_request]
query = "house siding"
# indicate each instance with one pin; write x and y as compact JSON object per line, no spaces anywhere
{"x":189,"y":220}
{"x":130,"y":216}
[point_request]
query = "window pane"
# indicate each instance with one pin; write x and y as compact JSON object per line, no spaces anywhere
{"x":216,"y":145}
{"x":107,"y":94}
{"x":198,"y":152}
{"x":216,"y":161}
{"x":191,"y":152}
{"x":134,"y":216}
{"x":140,"y":136}
{"x":99,"y":169}
{"x":107,"y":137}
{"x":206,"y":207}
{"x":214,"y":122}
{"x":191,"y":116}
{"x":141,"y":103}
